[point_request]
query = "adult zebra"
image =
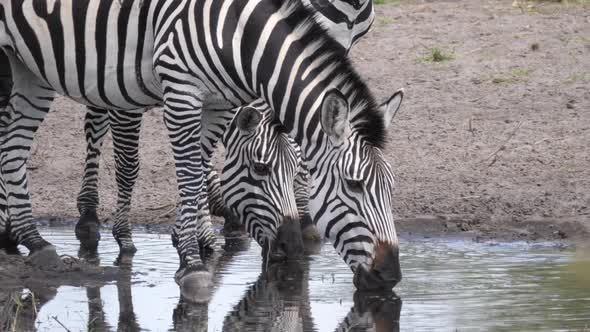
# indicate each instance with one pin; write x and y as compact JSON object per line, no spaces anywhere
{"x":346,"y":22}
{"x":238,"y":50}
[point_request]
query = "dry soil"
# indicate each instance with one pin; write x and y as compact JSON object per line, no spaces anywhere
{"x":492,"y":140}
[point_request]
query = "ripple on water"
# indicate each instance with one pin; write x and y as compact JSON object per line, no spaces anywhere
{"x":447,"y":285}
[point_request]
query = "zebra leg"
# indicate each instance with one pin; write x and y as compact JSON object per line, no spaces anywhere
{"x":5,"y":241}
{"x":29,"y":103}
{"x":125,"y":127}
{"x":214,"y":194}
{"x":214,"y":123}
{"x":231,"y":225}
{"x":96,"y":125}
{"x":182,"y":116}
{"x":5,"y":89}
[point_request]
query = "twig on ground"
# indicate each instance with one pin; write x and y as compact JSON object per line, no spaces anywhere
{"x":470,"y":126}
{"x":34,"y":304}
{"x":474,"y":50}
{"x":159,"y":207}
{"x":503,"y":145}
{"x":167,"y":213}
{"x":60,"y":323}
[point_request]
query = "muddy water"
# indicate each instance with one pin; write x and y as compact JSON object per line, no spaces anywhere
{"x":448,"y":285}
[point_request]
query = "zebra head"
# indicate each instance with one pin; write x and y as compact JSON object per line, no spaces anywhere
{"x":258,"y":177}
{"x":352,"y":191}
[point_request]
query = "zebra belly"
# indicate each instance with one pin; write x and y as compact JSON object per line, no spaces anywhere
{"x":98,"y":52}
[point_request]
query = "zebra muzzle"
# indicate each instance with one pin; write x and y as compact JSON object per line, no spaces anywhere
{"x":385,"y":272}
{"x":288,"y":243}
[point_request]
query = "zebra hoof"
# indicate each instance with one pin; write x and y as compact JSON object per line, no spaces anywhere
{"x":195,"y":283}
{"x":127,"y":248}
{"x":125,"y":260}
{"x":10,"y":246}
{"x":47,"y":259}
{"x":88,"y":230}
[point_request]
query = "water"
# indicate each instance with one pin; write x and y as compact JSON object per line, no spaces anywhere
{"x":448,"y":285}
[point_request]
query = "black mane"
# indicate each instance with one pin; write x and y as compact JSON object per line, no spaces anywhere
{"x":366,"y":118}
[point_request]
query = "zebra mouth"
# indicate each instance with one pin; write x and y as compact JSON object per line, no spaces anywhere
{"x":372,"y":280}
{"x":385,"y":271}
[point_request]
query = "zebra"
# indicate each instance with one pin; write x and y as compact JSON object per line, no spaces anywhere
{"x":258,"y":178}
{"x":284,"y":57}
{"x":344,"y":21}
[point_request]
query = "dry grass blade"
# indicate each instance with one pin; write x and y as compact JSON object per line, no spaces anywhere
{"x":159,"y":207}
{"x":60,"y":323}
{"x":503,"y":145}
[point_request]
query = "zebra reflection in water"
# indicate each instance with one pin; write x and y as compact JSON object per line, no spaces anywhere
{"x":280,"y":301}
{"x":96,"y":316}
{"x":20,"y":307}
{"x":190,"y":316}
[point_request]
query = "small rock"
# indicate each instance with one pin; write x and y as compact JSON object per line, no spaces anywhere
{"x":570,"y":104}
{"x":560,"y":234}
{"x":534,"y":46}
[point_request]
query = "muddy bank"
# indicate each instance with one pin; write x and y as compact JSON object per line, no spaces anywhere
{"x":16,"y":271}
{"x":491,"y":140}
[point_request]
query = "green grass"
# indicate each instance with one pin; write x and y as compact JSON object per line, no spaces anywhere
{"x":510,"y":76}
{"x":520,"y":72}
{"x":535,"y":6}
{"x":386,"y":2}
{"x":578,"y":77}
{"x":502,"y":80}
{"x":437,"y":54}
{"x":382,"y":21}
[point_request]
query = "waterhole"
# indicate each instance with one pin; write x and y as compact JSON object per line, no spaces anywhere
{"x":447,"y":285}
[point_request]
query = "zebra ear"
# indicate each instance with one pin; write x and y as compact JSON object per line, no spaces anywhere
{"x":248,"y":119}
{"x":391,"y":106}
{"x":334,"y":116}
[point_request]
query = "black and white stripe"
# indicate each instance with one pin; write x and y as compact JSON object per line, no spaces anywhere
{"x":346,"y":20}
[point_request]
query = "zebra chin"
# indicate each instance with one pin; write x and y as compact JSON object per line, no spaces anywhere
{"x":384,"y":273}
{"x":288,"y":244}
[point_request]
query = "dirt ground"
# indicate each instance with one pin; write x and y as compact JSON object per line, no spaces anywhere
{"x":492,"y":140}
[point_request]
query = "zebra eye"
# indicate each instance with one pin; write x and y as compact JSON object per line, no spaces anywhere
{"x":355,"y":185}
{"x":261,"y":169}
